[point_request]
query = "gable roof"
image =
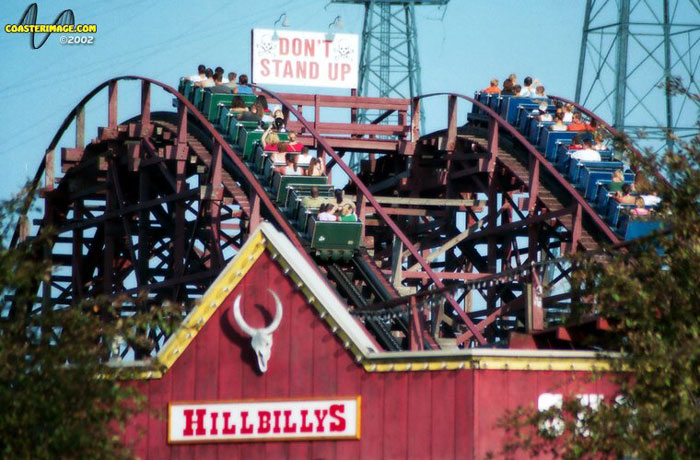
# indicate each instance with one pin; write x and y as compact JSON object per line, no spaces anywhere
{"x":294,"y":265}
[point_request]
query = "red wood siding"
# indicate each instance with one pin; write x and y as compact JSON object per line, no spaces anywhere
{"x":408,"y":415}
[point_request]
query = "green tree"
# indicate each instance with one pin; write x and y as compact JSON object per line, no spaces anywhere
{"x":650,"y":293}
{"x":58,"y":399}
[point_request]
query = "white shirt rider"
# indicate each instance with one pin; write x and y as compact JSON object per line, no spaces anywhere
{"x":587,"y":154}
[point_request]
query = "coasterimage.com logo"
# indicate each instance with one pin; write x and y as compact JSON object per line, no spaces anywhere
{"x":63,"y":24}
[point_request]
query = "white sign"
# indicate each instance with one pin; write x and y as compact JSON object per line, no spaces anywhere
{"x":274,"y":420}
{"x":286,"y":57}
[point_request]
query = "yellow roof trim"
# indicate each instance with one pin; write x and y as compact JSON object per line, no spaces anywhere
{"x":491,"y":363}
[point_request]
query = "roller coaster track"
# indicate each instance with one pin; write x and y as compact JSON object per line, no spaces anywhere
{"x":200,"y":151}
{"x":535,"y":161}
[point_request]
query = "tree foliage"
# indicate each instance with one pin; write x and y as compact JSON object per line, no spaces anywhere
{"x":58,"y":399}
{"x":650,"y":293}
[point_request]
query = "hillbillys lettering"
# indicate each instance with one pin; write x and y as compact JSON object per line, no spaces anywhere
{"x":274,"y":420}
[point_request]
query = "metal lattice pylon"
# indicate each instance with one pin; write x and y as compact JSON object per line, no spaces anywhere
{"x":389,"y":61}
{"x":630,"y":49}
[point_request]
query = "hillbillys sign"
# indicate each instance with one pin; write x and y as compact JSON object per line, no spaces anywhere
{"x":273,"y":420}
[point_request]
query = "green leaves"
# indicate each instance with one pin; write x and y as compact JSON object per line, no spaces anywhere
{"x":55,"y":400}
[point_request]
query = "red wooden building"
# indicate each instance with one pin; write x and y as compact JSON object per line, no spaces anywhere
{"x":327,"y":392}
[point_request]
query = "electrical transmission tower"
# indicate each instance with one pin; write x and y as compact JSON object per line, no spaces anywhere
{"x":389,"y":62}
{"x":630,"y":51}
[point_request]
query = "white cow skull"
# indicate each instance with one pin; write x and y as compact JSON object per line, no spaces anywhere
{"x":260,"y":339}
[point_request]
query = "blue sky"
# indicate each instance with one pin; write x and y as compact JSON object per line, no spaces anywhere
{"x":460,"y":50}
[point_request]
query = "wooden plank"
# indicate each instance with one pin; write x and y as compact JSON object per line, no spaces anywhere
{"x":278,"y":370}
{"x":464,"y":415}
{"x":301,"y":349}
{"x":230,"y":378}
{"x":410,"y":201}
{"x":348,"y":374}
{"x":183,"y":383}
{"x":324,"y":378}
{"x":442,"y":397}
{"x":419,"y":415}
{"x":159,"y":394}
{"x":451,"y":123}
{"x":206,"y":366}
{"x":362,"y":129}
{"x":396,"y":416}
{"x":72,"y":155}
{"x":488,"y":409}
{"x":112,"y":98}
{"x":358,"y":102}
{"x":415,"y":120}
{"x":136,"y":430}
{"x":80,"y":127}
{"x":373,"y":423}
{"x":257,"y":310}
{"x":345,"y":143}
{"x":407,"y":211}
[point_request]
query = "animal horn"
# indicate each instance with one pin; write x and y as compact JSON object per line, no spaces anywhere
{"x":238,"y":318}
{"x":278,"y":314}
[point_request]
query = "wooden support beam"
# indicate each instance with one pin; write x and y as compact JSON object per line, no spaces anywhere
{"x":415,"y":327}
{"x":513,"y":305}
{"x":361,"y":210}
{"x":492,"y":144}
{"x":534,"y":185}
{"x":145,"y":108}
{"x":395,"y":275}
{"x":415,"y":120}
{"x":407,"y":211}
{"x":458,"y":276}
{"x":77,"y":252}
{"x":112,"y":114}
{"x":535,"y":312}
{"x":122,"y":217}
{"x":452,"y":242}
{"x":451,"y":123}
{"x":49,"y":170}
{"x":577,"y":218}
{"x":179,"y":236}
{"x":492,"y":219}
{"x":111,"y":214}
{"x":215,"y":179}
{"x":412,"y":201}
{"x":80,"y":128}
{"x":497,"y":230}
{"x":317,"y":116}
{"x":143,"y":245}
{"x":388,"y":183}
{"x":465,"y":173}
{"x":254,"y":213}
{"x":108,"y":253}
